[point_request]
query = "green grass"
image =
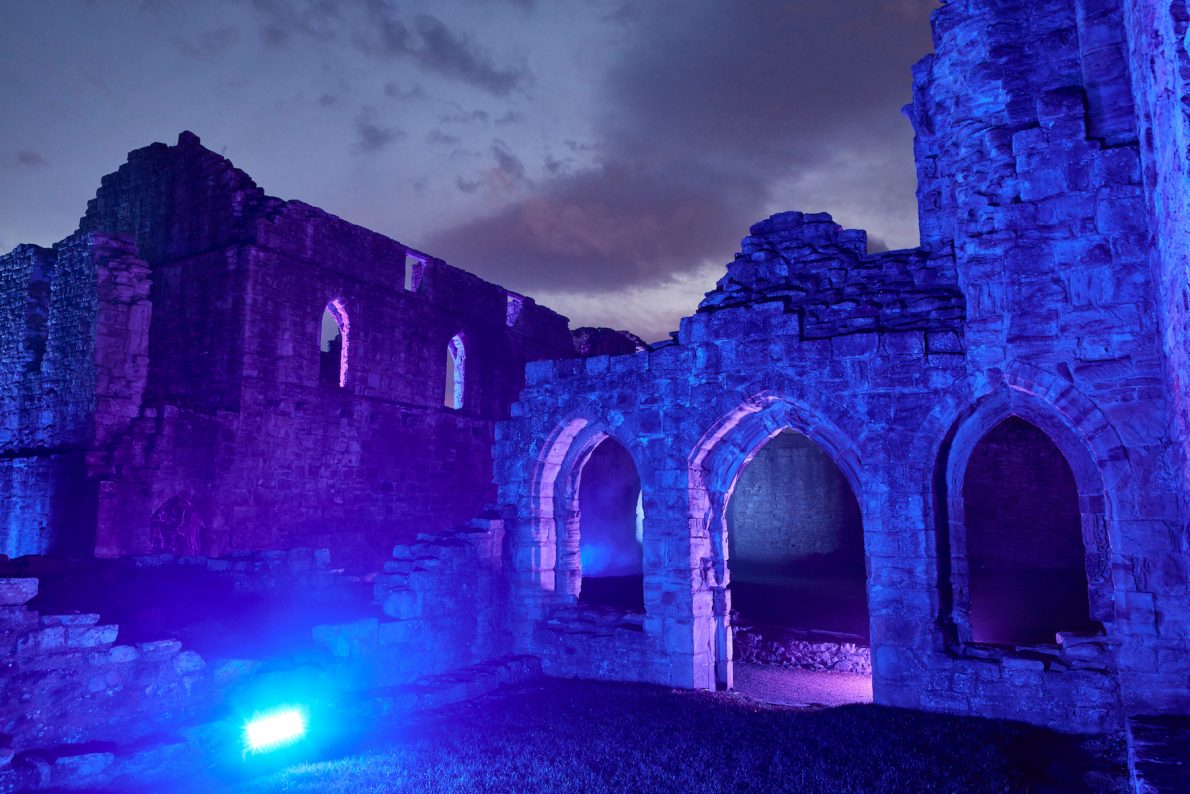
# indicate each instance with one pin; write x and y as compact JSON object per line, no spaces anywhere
{"x":564,"y":736}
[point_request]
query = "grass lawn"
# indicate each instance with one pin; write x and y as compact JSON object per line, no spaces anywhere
{"x":585,"y":736}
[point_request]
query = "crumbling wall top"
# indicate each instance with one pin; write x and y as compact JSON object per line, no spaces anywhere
{"x":816,"y":267}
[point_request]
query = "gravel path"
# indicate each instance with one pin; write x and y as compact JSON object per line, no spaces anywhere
{"x":801,"y":687}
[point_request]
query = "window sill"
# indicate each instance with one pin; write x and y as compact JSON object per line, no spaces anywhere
{"x":1093,"y":651}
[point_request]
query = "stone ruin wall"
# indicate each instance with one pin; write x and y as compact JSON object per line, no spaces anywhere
{"x":788,"y":511}
{"x":1031,"y":104}
{"x":1048,"y":230}
{"x":743,"y":373}
{"x":89,"y":703}
{"x":1033,"y":282}
{"x":74,"y":369}
{"x":220,"y":401}
{"x":1161,"y":83}
{"x":69,"y":688}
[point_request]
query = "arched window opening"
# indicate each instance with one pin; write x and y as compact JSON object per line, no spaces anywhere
{"x":332,"y":362}
{"x":610,"y":525}
{"x":1025,"y":559}
{"x":796,"y":545}
{"x":456,"y":371}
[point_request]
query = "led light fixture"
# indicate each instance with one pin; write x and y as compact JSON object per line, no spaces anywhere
{"x":274,"y":729}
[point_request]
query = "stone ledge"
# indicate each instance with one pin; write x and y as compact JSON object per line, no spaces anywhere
{"x":17,"y":592}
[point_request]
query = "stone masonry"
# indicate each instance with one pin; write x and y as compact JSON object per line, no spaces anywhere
{"x":168,"y":355}
{"x":161,"y":393}
{"x":1046,"y":243}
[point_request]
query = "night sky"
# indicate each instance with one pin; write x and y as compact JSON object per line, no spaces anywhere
{"x":604,"y":157}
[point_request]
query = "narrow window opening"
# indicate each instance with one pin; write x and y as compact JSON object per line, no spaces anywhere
{"x":611,"y":524}
{"x":37,"y":313}
{"x":456,"y":372}
{"x":513,"y":308}
{"x":332,"y":362}
{"x":1026,"y":565}
{"x":414,"y":268}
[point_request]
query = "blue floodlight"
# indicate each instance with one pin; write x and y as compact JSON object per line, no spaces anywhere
{"x":274,"y":729}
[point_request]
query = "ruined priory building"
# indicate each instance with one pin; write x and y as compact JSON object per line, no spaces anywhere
{"x":989,"y":434}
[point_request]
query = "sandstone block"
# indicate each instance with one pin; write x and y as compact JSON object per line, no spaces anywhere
{"x":159,"y":649}
{"x":347,"y":639}
{"x":188,"y":662}
{"x":91,"y":636}
{"x":76,"y":619}
{"x":402,"y":604}
{"x":16,"y":592}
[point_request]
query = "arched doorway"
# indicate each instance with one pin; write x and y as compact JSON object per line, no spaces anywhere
{"x":796,"y":545}
{"x":785,"y":455}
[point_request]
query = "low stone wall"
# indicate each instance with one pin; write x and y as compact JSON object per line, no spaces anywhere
{"x":443,"y":602}
{"x":204,"y":601}
{"x":1072,"y":686}
{"x":66,"y":683}
{"x":754,"y":646}
{"x":590,"y":642}
{"x":304,"y":570}
{"x":78,"y":711}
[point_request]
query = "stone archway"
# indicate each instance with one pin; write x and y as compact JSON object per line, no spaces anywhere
{"x":1022,"y":541}
{"x":555,"y":540}
{"x":796,"y":545}
{"x":715,"y":467}
{"x":953,"y":466}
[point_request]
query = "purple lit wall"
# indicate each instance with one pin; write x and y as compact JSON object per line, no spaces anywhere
{"x":793,"y":509}
{"x":1005,"y":404}
{"x":1157,"y":31}
{"x":203,"y":380}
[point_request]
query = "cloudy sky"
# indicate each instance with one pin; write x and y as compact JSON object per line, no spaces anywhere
{"x":603,"y":156}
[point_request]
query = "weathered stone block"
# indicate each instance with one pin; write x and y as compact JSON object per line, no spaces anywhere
{"x":347,"y":639}
{"x":91,"y":636}
{"x":400,"y":631}
{"x":188,"y":663}
{"x":159,"y":649}
{"x":47,"y":639}
{"x":16,"y":592}
{"x":75,"y":619}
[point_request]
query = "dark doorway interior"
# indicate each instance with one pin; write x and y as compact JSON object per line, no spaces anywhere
{"x":796,"y":543}
{"x":610,"y":527}
{"x":1025,"y":555}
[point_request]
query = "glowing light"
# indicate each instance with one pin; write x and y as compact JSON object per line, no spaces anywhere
{"x":275,"y":729}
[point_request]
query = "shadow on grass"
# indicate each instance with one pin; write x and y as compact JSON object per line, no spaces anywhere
{"x":556,"y":736}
